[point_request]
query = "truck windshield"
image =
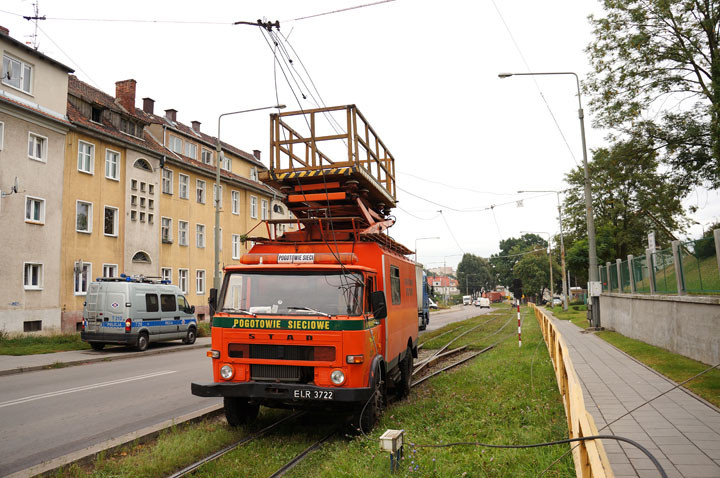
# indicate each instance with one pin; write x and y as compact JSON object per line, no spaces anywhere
{"x":294,"y":293}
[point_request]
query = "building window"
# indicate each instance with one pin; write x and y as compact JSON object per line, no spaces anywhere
{"x":32,"y":277}
{"x":175,"y":144}
{"x":199,"y":282}
{"x":112,"y":162}
{"x":263,"y":209}
{"x":133,"y":200}
{"x":235,"y":199}
{"x":141,"y":256}
{"x":142,"y":201}
{"x":253,"y":174}
{"x":2,"y":134}
{"x":167,"y":181}
{"x":206,"y":156}
{"x":133,"y":184}
{"x":37,"y":147}
{"x":183,"y":233}
{"x":253,"y":207}
{"x":217,"y":199}
{"x":199,"y":235}
{"x":150,"y":218}
{"x":151,"y":204}
{"x":227,"y":163}
{"x":183,"y":280}
{"x":166,"y":230}
{"x":32,"y":326}
{"x":166,"y":274}
{"x":200,"y":190}
{"x":133,"y":215}
{"x":96,"y":115}
{"x":142,"y":164}
{"x":83,"y":216}
{"x":236,"y":246}
{"x":86,"y":157}
{"x":110,"y":270}
{"x":83,"y":275}
{"x":183,"y":186}
{"x":34,"y":210}
{"x":142,"y":186}
{"x":17,"y":73}
{"x":191,"y":150}
{"x":395,"y":285}
{"x":111,"y":221}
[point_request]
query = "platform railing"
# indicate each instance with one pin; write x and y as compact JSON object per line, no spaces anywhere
{"x":589,"y":456}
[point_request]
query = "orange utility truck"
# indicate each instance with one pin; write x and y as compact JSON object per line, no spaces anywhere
{"x":323,"y":316}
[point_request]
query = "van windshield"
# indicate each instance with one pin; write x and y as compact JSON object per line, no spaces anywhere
{"x":294,"y":293}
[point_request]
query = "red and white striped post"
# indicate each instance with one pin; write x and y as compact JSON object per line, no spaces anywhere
{"x":519,"y":326}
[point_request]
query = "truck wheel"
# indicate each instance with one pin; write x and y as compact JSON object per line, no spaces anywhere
{"x":406,"y":368}
{"x":97,"y":345}
{"x":190,"y":338}
{"x":142,"y":342}
{"x":239,"y":412}
{"x":369,"y":413}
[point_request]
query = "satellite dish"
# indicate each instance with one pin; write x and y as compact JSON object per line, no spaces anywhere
{"x":16,"y":185}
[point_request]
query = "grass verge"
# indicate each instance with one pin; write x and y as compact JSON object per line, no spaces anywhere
{"x":40,"y":344}
{"x":506,"y":396}
{"x":676,"y":367}
{"x":577,"y":314}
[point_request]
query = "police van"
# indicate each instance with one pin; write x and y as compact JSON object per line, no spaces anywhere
{"x":136,"y":311}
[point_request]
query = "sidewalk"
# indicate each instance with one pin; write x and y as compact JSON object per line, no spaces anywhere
{"x":10,"y":364}
{"x":681,"y":430}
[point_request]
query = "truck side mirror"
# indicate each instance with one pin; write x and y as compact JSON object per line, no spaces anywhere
{"x":212,"y":301}
{"x":378,"y":304}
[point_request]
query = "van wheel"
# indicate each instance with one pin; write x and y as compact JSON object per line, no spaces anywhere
{"x":97,"y":345}
{"x":190,"y":338}
{"x":406,"y":369}
{"x":368,"y":414}
{"x":239,"y":412}
{"x":142,"y":342}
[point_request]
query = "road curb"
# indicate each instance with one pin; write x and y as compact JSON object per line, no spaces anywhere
{"x":72,"y":363}
{"x":139,"y":436}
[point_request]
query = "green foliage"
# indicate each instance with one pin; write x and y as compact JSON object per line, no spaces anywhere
{"x":40,"y":344}
{"x":510,"y":254}
{"x":474,"y":273}
{"x":534,"y":271}
{"x":656,"y":75}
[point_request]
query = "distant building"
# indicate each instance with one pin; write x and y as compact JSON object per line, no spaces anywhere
{"x":440,"y":271}
{"x":443,"y":285}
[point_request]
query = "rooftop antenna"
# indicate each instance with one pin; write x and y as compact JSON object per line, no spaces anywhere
{"x":35,"y":18}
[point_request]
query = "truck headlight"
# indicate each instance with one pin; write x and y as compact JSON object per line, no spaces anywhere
{"x":337,"y":377}
{"x":227,"y":372}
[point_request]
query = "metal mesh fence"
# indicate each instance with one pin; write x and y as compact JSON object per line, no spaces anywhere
{"x":604,"y":279}
{"x":664,"y":272}
{"x":625,"y":277}
{"x":613,"y":278}
{"x":699,"y":266}
{"x":641,"y":275}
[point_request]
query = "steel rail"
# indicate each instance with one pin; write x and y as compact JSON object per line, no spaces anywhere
{"x":459,"y":362}
{"x":302,"y":455}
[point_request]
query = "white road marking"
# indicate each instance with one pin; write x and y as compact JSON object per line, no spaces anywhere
{"x":83,"y":388}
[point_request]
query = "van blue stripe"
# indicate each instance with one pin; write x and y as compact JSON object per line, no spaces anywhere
{"x":148,"y":323}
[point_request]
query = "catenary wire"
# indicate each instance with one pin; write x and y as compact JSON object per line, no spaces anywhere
{"x":339,"y":11}
{"x":451,"y":233}
{"x":68,"y":57}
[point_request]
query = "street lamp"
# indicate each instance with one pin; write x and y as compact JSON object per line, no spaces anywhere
{"x":562,"y":245}
{"x":552,"y":288}
{"x":592,"y":249}
{"x":218,"y":163}
{"x":421,"y":239}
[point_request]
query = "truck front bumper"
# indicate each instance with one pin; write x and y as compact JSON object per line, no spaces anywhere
{"x":281,"y":392}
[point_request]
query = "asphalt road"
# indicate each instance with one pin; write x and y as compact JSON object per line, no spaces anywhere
{"x":49,"y":413}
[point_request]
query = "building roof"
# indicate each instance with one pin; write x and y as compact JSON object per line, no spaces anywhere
{"x":4,"y":34}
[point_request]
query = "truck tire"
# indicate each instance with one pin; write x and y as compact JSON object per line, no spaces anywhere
{"x":142,"y":342}
{"x":97,"y":345}
{"x":190,"y":337}
{"x":369,"y":413}
{"x":239,"y":412}
{"x":406,"y":368}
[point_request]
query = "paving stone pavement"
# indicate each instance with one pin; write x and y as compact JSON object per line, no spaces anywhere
{"x":680,"y":430}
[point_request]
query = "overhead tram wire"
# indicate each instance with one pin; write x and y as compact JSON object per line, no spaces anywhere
{"x":469,"y":210}
{"x":451,"y":233}
{"x":68,"y":57}
{"x":456,"y":187}
{"x":338,"y":11}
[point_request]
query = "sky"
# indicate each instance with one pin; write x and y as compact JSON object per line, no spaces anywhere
{"x":424,"y":74}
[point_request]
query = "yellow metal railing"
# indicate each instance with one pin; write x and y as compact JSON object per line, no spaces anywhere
{"x":589,"y":456}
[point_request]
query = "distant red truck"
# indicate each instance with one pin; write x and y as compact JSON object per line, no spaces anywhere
{"x":494,"y":296}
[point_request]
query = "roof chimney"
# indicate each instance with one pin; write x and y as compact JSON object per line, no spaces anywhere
{"x":125,"y":94}
{"x":171,"y":115}
{"x":256,"y":153}
{"x":196,"y":126}
{"x":4,"y":31}
{"x":148,"y":105}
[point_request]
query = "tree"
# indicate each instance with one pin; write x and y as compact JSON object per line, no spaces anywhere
{"x":656,"y":73}
{"x":534,"y":271}
{"x":509,"y":255}
{"x":474,"y":273}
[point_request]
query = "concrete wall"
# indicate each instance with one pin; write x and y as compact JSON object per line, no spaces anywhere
{"x":687,"y":325}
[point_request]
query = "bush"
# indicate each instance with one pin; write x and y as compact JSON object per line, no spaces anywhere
{"x":203,"y":329}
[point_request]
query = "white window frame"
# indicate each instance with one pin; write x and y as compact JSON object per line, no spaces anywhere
{"x":167,"y":180}
{"x":253,"y":207}
{"x":110,"y":267}
{"x":200,"y":282}
{"x":23,"y":66}
{"x":90,"y":217}
{"x":199,"y":182}
{"x":236,"y":246}
{"x":40,"y":267}
{"x":166,"y":274}
{"x":175,"y":144}
{"x":2,"y":135}
{"x":191,"y":147}
{"x":227,"y":163}
{"x":87,"y":268}
{"x":253,"y":174}
{"x":108,"y":154}
{"x":167,"y":240}
{"x":43,"y":150}
{"x":42,"y":202}
{"x":116,"y":222}
{"x":183,"y":233}
{"x":183,"y":186}
{"x":200,"y":235}
{"x":215,"y":195}
{"x":183,"y":281}
{"x":208,"y":153}
{"x":82,"y":157}
{"x":235,"y":200}
{"x":263,"y":209}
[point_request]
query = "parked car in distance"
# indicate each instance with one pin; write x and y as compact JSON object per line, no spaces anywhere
{"x":556,"y":301}
{"x":483,"y":302}
{"x":433,"y":305}
{"x":467,"y":300}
